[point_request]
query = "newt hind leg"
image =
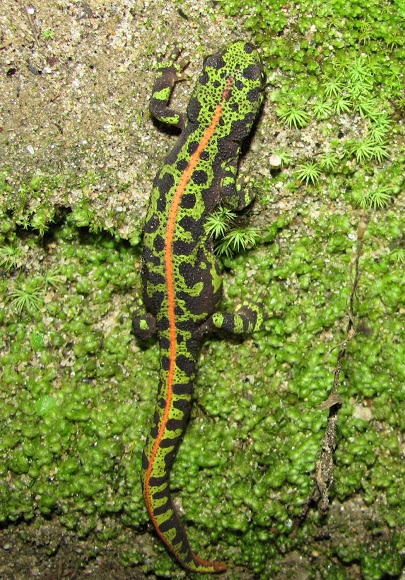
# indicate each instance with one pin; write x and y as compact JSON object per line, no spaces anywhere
{"x":143,"y":325}
{"x":246,"y":319}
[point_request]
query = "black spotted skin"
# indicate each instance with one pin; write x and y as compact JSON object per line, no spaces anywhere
{"x":181,"y":278}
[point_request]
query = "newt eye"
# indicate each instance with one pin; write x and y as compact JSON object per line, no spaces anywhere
{"x":252,"y":72}
{"x":248,"y":48}
{"x":214,"y":61}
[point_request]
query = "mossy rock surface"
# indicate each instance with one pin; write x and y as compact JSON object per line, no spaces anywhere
{"x":78,"y":392}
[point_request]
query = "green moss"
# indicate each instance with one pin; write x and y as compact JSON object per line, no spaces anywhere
{"x":49,"y":192}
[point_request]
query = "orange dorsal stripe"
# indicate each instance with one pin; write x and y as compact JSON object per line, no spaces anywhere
{"x":170,"y":229}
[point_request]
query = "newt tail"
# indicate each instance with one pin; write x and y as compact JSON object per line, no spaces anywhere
{"x":158,"y":456}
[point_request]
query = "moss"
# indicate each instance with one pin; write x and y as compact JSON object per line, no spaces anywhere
{"x":40,"y":199}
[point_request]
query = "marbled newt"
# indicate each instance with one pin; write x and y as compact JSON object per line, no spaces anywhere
{"x":182,"y":284}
